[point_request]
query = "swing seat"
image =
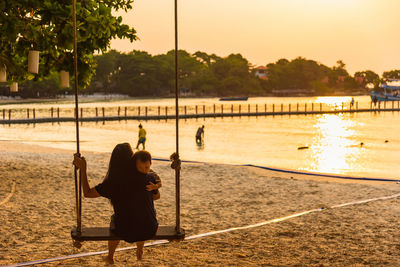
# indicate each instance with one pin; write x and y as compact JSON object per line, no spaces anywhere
{"x":104,"y":234}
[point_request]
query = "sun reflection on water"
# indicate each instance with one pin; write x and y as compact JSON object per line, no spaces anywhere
{"x":333,"y":149}
{"x":332,"y":103}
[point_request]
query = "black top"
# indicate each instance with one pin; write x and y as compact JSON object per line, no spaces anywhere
{"x":134,"y":213}
{"x":199,"y":132}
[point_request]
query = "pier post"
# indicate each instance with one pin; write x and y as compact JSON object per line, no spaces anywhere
{"x":166,"y":112}
{"x":265,"y":108}
{"x":34,"y":114}
{"x":289,"y":108}
{"x":240,"y":108}
{"x":145,"y":112}
{"x":342,"y":106}
{"x":185,"y":111}
{"x":4,"y":114}
{"x":256,"y":108}
{"x":126,"y":112}
{"x":232,"y":108}
{"x":159,"y":111}
{"x":58,"y":113}
{"x":357,"y":105}
{"x":204,"y":109}
{"x":297,"y":107}
{"x":281,"y":107}
{"x":27,"y":113}
{"x":97,"y":112}
{"x":273,"y":108}
{"x":197,"y":111}
{"x":392,"y":104}
{"x":305,"y":108}
{"x":222,"y":108}
{"x":214,"y":110}
{"x":138,"y":110}
{"x":51,"y":111}
{"x":248,"y":109}
{"x":81,"y":112}
{"x":119,"y":111}
{"x":312,"y":107}
{"x":103,"y":112}
{"x":9,"y":114}
{"x":384,"y":104}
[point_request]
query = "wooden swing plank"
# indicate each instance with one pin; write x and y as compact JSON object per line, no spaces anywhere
{"x":104,"y":234}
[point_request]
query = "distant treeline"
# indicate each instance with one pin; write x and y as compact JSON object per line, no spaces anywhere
{"x":140,"y":74}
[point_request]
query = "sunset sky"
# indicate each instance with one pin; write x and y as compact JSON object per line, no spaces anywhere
{"x":365,"y":34}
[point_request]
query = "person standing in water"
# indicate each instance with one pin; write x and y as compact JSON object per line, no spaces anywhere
{"x":142,"y":137}
{"x":200,"y":135}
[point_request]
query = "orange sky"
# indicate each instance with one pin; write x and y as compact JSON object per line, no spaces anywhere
{"x":365,"y":34}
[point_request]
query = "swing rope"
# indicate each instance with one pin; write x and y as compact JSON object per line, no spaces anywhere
{"x":78,"y":182}
{"x":176,"y":158}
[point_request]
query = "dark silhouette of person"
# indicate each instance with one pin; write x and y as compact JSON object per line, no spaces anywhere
{"x":200,"y":135}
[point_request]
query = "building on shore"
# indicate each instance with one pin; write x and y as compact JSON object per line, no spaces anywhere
{"x":261,"y":72}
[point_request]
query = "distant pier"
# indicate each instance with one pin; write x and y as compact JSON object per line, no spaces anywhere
{"x":58,"y":115}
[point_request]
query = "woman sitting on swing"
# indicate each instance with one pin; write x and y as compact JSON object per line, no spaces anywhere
{"x":131,"y":188}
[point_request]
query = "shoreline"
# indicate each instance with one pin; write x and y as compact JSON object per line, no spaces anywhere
{"x":111,"y":98}
{"x":286,"y":173}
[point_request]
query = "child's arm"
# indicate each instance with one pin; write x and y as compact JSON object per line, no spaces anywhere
{"x":157,"y":196}
{"x":80,"y":163}
{"x":153,"y":186}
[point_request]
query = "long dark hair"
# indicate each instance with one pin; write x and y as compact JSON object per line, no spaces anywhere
{"x":118,"y":167}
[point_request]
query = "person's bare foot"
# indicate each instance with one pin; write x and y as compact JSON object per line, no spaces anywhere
{"x":139,"y":254}
{"x":108,"y":260}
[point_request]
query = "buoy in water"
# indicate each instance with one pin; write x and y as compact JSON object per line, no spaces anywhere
{"x":386,"y":141}
{"x":302,"y":147}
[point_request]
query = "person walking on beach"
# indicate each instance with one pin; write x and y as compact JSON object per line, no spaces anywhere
{"x":352,"y":103}
{"x":200,"y":135}
{"x":142,"y":137}
{"x":131,"y":189}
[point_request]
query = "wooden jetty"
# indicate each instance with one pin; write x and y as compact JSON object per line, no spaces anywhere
{"x":192,"y":112}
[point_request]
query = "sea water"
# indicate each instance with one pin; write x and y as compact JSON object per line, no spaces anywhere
{"x":355,"y":144}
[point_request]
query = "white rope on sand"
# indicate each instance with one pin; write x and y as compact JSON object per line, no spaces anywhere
{"x":9,"y":195}
{"x":206,"y":234}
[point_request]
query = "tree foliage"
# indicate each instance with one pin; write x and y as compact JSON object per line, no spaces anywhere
{"x":46,"y":25}
{"x":141,"y":74}
{"x":368,"y":78}
{"x":393,"y":74}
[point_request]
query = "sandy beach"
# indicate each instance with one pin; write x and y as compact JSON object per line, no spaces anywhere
{"x":37,"y":219}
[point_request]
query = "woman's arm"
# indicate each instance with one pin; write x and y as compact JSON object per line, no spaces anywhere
{"x":80,"y":164}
